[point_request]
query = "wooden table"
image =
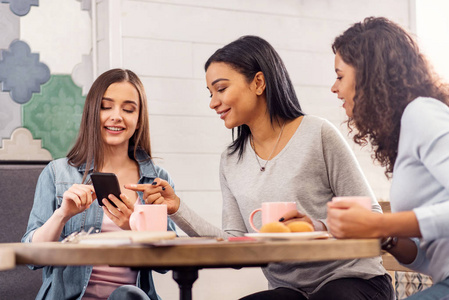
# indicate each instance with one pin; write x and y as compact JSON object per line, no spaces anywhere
{"x":185,"y":260}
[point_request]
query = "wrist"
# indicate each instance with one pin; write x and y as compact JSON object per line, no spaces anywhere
{"x":176,"y":206}
{"x":382,"y":227}
{"x":388,"y":243}
{"x":59,"y":214}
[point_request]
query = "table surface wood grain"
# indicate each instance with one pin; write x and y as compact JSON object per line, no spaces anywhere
{"x":215,"y":254}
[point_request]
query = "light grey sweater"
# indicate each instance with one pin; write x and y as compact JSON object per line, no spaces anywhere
{"x":421,"y":181}
{"x":314,"y":166}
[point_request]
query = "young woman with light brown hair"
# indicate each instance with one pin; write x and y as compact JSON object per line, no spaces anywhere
{"x":114,"y":137}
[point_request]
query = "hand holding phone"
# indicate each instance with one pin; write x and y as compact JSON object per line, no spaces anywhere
{"x":104,"y":185}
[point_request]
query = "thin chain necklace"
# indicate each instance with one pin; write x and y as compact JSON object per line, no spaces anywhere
{"x":262,"y":168}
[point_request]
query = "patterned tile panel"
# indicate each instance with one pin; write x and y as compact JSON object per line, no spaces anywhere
{"x":54,"y":115}
{"x":9,"y":26}
{"x":10,"y":117}
{"x":409,"y":283}
{"x":60,"y":32}
{"x":82,"y":73}
{"x":21,"y":73}
{"x":21,"y":7}
{"x":22,"y":146}
{"x":85,"y":4}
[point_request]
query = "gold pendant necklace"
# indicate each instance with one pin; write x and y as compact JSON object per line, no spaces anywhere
{"x":262,"y":168}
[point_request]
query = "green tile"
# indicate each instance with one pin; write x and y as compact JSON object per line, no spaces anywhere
{"x":54,"y":115}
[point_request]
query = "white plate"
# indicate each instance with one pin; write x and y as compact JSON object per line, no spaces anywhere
{"x":289,"y":235}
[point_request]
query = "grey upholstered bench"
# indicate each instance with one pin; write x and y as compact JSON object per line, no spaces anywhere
{"x":17,"y":186}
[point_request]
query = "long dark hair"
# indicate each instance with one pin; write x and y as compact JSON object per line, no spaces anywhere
{"x":89,"y":147}
{"x":249,"y":55}
{"x":390,"y":73}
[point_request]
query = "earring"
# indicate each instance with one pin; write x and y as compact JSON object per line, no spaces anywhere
{"x":258,"y":92}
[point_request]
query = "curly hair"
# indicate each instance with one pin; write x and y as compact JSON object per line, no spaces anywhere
{"x":390,"y":73}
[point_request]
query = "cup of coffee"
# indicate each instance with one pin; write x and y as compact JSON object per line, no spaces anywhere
{"x":271,"y":212}
{"x":149,"y":217}
{"x":361,"y":200}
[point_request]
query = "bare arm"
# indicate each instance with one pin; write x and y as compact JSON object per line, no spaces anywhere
{"x":401,"y":224}
{"x":51,"y":230}
{"x":76,"y":199}
{"x":404,"y":251}
{"x":349,"y":220}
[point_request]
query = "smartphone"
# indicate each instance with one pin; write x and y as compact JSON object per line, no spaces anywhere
{"x":104,"y":185}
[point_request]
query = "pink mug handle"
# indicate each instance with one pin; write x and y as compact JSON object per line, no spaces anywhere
{"x":251,"y":216}
{"x":134,"y":220}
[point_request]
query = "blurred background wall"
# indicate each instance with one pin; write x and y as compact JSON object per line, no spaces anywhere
{"x":51,"y":51}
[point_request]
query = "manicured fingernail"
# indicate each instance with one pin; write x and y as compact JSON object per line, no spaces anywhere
{"x":163,"y":188}
{"x":281,"y":219}
{"x":154,"y":183}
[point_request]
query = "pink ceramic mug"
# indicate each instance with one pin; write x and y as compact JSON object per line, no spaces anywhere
{"x":271,"y":212}
{"x":363,"y":201}
{"x":149,"y":217}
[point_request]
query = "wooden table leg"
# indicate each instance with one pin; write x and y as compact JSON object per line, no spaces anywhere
{"x":185,"y":277}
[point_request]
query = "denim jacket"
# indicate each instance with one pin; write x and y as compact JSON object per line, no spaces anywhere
{"x":70,"y":282}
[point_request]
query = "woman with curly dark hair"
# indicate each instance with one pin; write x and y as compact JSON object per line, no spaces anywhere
{"x":398,"y":104}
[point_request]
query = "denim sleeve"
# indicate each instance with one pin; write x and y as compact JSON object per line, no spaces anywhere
{"x":45,"y":202}
{"x":43,"y":206}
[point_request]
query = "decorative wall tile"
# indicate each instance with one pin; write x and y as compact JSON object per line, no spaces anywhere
{"x":85,"y":4}
{"x":54,"y":115}
{"x":10,"y":118}
{"x":60,"y":32}
{"x":21,"y":7}
{"x":9,"y":26}
{"x":82,"y":73}
{"x":22,"y":146}
{"x":21,"y":72}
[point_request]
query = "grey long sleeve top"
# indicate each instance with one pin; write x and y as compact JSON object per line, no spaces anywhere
{"x":316,"y":165}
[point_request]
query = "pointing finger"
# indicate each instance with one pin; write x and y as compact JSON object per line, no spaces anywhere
{"x":136,"y":187}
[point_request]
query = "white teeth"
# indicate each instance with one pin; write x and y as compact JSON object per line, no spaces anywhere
{"x":114,"y":128}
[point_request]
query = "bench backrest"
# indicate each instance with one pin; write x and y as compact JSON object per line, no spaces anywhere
{"x":17,"y":186}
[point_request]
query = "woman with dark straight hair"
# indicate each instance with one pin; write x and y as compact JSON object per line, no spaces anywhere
{"x":280,"y":96}
{"x":114,"y":137}
{"x":279,"y":155}
{"x":396,"y":102}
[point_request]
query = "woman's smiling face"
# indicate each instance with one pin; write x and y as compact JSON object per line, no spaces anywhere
{"x":232,"y":96}
{"x":119,"y":114}
{"x":344,"y":85}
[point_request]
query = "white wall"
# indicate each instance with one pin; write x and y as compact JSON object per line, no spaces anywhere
{"x":167,"y":43}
